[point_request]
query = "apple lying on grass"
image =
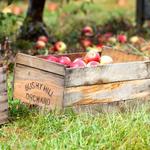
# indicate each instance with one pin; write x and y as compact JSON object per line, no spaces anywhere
{"x":122,"y":38}
{"x":60,"y":46}
{"x":92,"y":56}
{"x":86,"y":43}
{"x":106,"y":60}
{"x":43,"y":38}
{"x":64,"y":60}
{"x":97,"y":48}
{"x":134,"y":39}
{"x":40,"y":45}
{"x":87,"y":31}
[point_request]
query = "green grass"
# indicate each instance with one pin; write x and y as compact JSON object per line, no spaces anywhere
{"x":68,"y":131}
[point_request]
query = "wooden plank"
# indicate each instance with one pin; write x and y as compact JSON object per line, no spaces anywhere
{"x":106,"y":93}
{"x":72,"y":56}
{"x":3,"y":97}
{"x":2,"y":69}
{"x":2,"y":78}
{"x":39,"y":63}
{"x":2,"y":87}
{"x":3,"y":106}
{"x":119,"y":106}
{"x":107,"y":73}
{"x":38,"y":87}
{"x":3,"y":117}
{"x":122,"y":56}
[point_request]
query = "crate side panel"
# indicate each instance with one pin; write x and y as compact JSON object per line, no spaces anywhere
{"x":119,"y":106}
{"x":107,"y":73}
{"x":120,"y":56}
{"x":38,"y":87}
{"x":39,"y":63}
{"x":106,"y":93}
{"x":3,"y":117}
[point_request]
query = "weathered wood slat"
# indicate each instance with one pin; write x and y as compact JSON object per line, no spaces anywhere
{"x":40,"y":64}
{"x":106,"y":93}
{"x":2,"y":78}
{"x":3,"y":106}
{"x":2,"y":87}
{"x":3,"y":117}
{"x":3,"y":97}
{"x":2,"y":69}
{"x":120,"y":56}
{"x":107,"y":73}
{"x":118,"y":106}
{"x":38,"y":87}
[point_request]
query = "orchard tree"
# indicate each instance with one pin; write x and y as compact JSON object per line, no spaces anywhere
{"x":33,"y":25}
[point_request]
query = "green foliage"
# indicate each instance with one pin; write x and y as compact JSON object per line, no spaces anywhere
{"x":9,"y":24}
{"x":9,"y":1}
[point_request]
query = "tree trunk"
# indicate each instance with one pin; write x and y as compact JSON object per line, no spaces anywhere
{"x":140,"y":13}
{"x":33,"y":25}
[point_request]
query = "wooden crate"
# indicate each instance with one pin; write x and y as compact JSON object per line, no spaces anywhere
{"x":3,"y":96}
{"x":51,"y":85}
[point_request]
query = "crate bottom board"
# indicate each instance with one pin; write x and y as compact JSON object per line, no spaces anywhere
{"x":3,"y":117}
{"x":118,"y":106}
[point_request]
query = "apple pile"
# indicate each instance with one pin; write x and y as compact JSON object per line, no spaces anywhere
{"x":42,"y":43}
{"x":91,"y":59}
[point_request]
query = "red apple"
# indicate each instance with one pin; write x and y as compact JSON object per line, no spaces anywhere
{"x":65,"y":60}
{"x":92,"y":56}
{"x":86,"y":43}
{"x":108,"y":34}
{"x":78,"y":63}
{"x":52,"y":6}
{"x":43,"y":38}
{"x":60,"y":46}
{"x":106,"y":60}
{"x":40,"y":44}
{"x":87,"y":31}
{"x":93,"y":64}
{"x":122,"y":38}
{"x":17,"y":10}
{"x":77,"y":59}
{"x":51,"y":58}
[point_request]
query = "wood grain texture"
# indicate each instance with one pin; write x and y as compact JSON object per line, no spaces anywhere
{"x":2,"y":69}
{"x":106,"y":93}
{"x":122,"y":56}
{"x":3,"y":97}
{"x":3,"y":87}
{"x":72,"y":56}
{"x":2,"y":78}
{"x":114,"y":107}
{"x":107,"y":73}
{"x":3,"y":117}
{"x":39,"y":63}
{"x":37,"y":87}
{"x":3,"y":106}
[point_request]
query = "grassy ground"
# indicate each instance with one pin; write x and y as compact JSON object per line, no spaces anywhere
{"x":29,"y":129}
{"x":68,"y":131}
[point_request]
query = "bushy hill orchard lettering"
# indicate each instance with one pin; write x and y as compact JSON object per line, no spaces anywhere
{"x":38,"y":98}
